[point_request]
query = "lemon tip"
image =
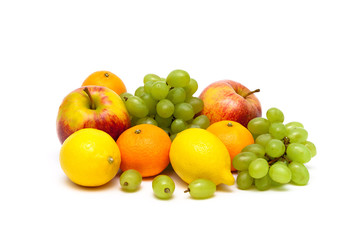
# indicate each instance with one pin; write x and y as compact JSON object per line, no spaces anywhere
{"x":228,"y":179}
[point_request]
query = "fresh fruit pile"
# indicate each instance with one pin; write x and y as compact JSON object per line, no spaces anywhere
{"x":168,"y":103}
{"x":278,"y":154}
{"x":207,"y":139}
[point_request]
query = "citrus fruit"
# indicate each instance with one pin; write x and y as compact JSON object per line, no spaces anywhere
{"x":145,"y":148}
{"x":234,"y":135}
{"x":90,"y":157}
{"x":106,"y":79}
{"x":196,"y":153}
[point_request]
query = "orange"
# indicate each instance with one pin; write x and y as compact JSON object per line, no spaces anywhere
{"x":234,"y":136}
{"x":106,"y":79}
{"x":144,"y":148}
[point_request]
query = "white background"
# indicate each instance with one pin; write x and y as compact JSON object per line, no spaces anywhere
{"x":303,"y":55}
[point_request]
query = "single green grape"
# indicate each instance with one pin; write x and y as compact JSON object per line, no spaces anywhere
{"x":242,"y":160}
{"x":176,"y":95}
{"x":146,"y":120}
{"x":163,"y":186}
{"x":139,"y":91}
{"x":191,"y":125}
{"x":275,"y":148}
{"x":130,"y":180}
{"x":184,"y":111}
{"x":300,"y":174}
{"x":263,"y":139}
{"x":163,"y":122}
{"x":124,"y":96}
{"x":244,"y":180}
{"x":196,"y":103}
{"x":311,"y":146}
{"x":297,"y":135}
{"x":148,"y":86}
{"x":258,"y":126}
{"x":291,"y":125}
{"x":191,"y":88}
{"x":280,"y":173}
{"x":202,"y":121}
{"x":258,"y":149}
{"x":258,"y":168}
{"x":275,"y":115}
{"x":159,"y":90}
{"x":263,"y":183}
{"x":201,"y":188}
{"x":277,"y":130}
{"x":150,"y":102}
{"x":151,"y":77}
{"x":165,"y":108}
{"x":298,"y":152}
{"x":136,"y":107}
{"x":178,"y":78}
{"x":178,"y":125}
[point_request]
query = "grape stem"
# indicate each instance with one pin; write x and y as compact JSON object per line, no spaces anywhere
{"x":187,"y":190}
{"x":252,"y":92}
{"x":283,"y":157}
{"x":92,"y":103}
{"x":286,"y":143}
{"x":271,"y":162}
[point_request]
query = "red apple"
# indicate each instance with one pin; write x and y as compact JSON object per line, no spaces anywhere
{"x":92,"y":107}
{"x":230,"y":100}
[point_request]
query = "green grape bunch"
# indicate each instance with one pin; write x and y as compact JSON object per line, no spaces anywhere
{"x":278,"y":155}
{"x":168,"y":103}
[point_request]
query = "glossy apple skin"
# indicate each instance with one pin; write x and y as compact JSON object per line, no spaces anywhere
{"x":223,"y":100}
{"x":110,"y":114}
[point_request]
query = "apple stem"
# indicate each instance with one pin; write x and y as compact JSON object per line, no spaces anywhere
{"x":252,"y":92}
{"x":92,"y":103}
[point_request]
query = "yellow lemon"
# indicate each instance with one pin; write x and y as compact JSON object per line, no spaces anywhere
{"x":196,"y":153}
{"x":90,"y":157}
